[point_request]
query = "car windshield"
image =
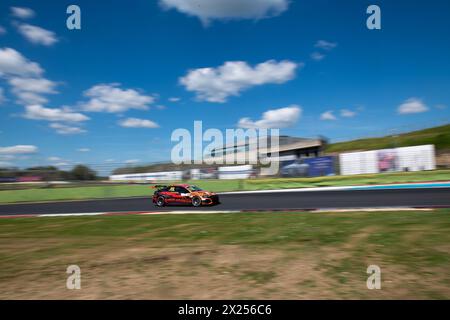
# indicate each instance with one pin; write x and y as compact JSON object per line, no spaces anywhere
{"x":195,"y":188}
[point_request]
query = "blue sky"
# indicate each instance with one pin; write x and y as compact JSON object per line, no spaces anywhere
{"x":104,"y":94}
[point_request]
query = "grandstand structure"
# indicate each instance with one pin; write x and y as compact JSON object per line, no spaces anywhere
{"x":288,"y":148}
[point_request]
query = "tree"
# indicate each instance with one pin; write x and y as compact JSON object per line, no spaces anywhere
{"x":81,"y":172}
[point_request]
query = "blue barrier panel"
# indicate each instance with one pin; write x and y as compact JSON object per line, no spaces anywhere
{"x":320,"y":166}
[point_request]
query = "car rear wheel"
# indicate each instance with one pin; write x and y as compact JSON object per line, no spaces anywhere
{"x":160,"y":202}
{"x":196,"y":201}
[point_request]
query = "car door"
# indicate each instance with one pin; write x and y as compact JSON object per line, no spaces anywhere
{"x":172,"y":195}
{"x":183,"y":195}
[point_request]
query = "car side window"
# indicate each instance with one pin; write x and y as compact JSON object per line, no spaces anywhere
{"x":181,"y":190}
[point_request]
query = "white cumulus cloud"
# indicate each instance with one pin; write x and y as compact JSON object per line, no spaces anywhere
{"x":229,"y":79}
{"x":317,"y":56}
{"x":13,"y":63}
{"x":2,"y":30}
{"x":327,"y":115}
{"x":325,"y":45}
{"x":32,"y":90}
{"x":63,"y":165}
{"x":138,"y":123}
{"x":66,"y":129}
{"x":111,"y":98}
{"x":22,"y":13}
{"x":412,"y":105}
{"x":25,"y":78}
{"x":346,"y":113}
{"x":83,"y":150}
{"x":38,"y":112}
{"x":37,"y":35}
{"x":40,"y":85}
{"x":277,"y":118}
{"x":18,"y":149}
{"x":207,"y":10}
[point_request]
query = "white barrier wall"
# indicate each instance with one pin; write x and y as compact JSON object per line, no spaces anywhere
{"x":235,"y":172}
{"x":414,"y":158}
{"x":358,"y":162}
{"x":149,"y":176}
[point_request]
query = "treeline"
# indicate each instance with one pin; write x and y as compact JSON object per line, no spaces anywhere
{"x":49,"y":173}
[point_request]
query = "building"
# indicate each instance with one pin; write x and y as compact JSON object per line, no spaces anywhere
{"x":231,"y":161}
{"x":289,"y":148}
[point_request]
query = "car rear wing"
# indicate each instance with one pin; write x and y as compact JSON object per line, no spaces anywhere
{"x":159,"y":186}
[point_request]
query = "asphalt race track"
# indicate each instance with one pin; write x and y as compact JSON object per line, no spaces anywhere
{"x":431,"y":197}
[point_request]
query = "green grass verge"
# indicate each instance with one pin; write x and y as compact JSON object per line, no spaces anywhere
{"x":99,"y":192}
{"x":335,"y":247}
{"x":76,"y":193}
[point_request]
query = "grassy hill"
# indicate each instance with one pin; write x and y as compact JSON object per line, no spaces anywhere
{"x":439,"y":136}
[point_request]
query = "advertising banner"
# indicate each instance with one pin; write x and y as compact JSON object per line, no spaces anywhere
{"x":293,"y":168}
{"x":320,"y":166}
{"x":308,"y":167}
{"x":358,"y":162}
{"x":414,"y":158}
{"x":387,"y":160}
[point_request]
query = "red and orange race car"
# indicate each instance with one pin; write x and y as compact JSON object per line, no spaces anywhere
{"x":183,"y":194}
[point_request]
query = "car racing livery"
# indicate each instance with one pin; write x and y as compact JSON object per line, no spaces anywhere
{"x":183,"y":194}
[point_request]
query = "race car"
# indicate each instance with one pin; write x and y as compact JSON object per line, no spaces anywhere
{"x":183,"y":194}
